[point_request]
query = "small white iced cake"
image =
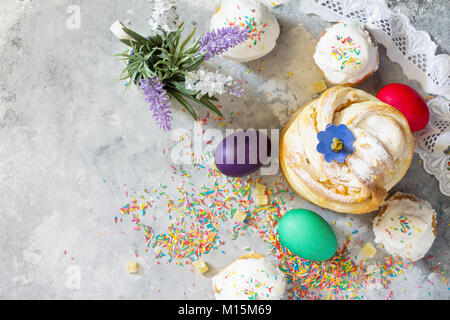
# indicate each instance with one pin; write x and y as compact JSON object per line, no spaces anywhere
{"x":252,"y":15}
{"x":251,"y":277}
{"x":406,"y":226}
{"x":347,"y":53}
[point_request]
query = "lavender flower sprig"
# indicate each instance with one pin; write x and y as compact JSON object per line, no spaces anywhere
{"x":158,"y":99}
{"x":236,"y":90}
{"x":218,"y":41}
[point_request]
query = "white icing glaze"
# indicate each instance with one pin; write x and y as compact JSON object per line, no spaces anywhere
{"x":247,"y":279}
{"x":346,"y":53}
{"x":406,"y":227}
{"x":261,"y":24}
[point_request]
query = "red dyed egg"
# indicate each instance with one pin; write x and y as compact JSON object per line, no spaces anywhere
{"x":409,"y":102}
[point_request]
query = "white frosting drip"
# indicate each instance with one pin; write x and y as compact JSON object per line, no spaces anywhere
{"x":406,"y":227}
{"x":264,"y":31}
{"x":346,"y":53}
{"x":249,"y":279}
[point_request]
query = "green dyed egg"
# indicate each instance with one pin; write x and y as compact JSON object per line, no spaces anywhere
{"x":307,"y":235}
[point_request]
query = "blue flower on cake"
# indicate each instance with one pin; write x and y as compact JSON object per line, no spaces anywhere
{"x":335,"y":142}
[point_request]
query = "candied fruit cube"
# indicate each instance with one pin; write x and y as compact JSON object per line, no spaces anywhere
{"x":239,"y":215}
{"x":262,"y":200}
{"x":319,"y":86}
{"x":131,"y":267}
{"x":260,"y":189}
{"x":369,"y":250}
{"x":200,"y":265}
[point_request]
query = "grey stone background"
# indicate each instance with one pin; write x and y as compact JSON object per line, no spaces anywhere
{"x":429,"y":15}
{"x":72,"y":143}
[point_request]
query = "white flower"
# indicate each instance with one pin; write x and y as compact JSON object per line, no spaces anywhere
{"x":164,"y":16}
{"x":207,"y":82}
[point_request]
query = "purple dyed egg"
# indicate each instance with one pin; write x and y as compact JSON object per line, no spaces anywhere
{"x":242,"y":153}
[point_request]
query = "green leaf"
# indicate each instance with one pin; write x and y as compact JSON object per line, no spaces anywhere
{"x":128,"y":42}
{"x":194,"y":66}
{"x":134,"y":35}
{"x":124,"y":55}
{"x":203,"y":101}
{"x":208,"y":104}
{"x":188,"y":38}
{"x":183,"y":102}
{"x":138,"y":80}
{"x":181,"y":87}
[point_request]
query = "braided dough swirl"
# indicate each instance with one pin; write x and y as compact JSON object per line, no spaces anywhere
{"x":384,"y":147}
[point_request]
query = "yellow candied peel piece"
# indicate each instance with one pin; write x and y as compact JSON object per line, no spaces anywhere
{"x":131,"y":267}
{"x":260,"y":189}
{"x":239,"y":216}
{"x":262,"y":200}
{"x":201,"y":266}
{"x":319,"y":86}
{"x":252,"y":255}
{"x":369,"y":250}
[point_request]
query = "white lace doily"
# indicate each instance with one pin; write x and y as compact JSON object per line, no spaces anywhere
{"x":415,"y":52}
{"x":433,"y":143}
